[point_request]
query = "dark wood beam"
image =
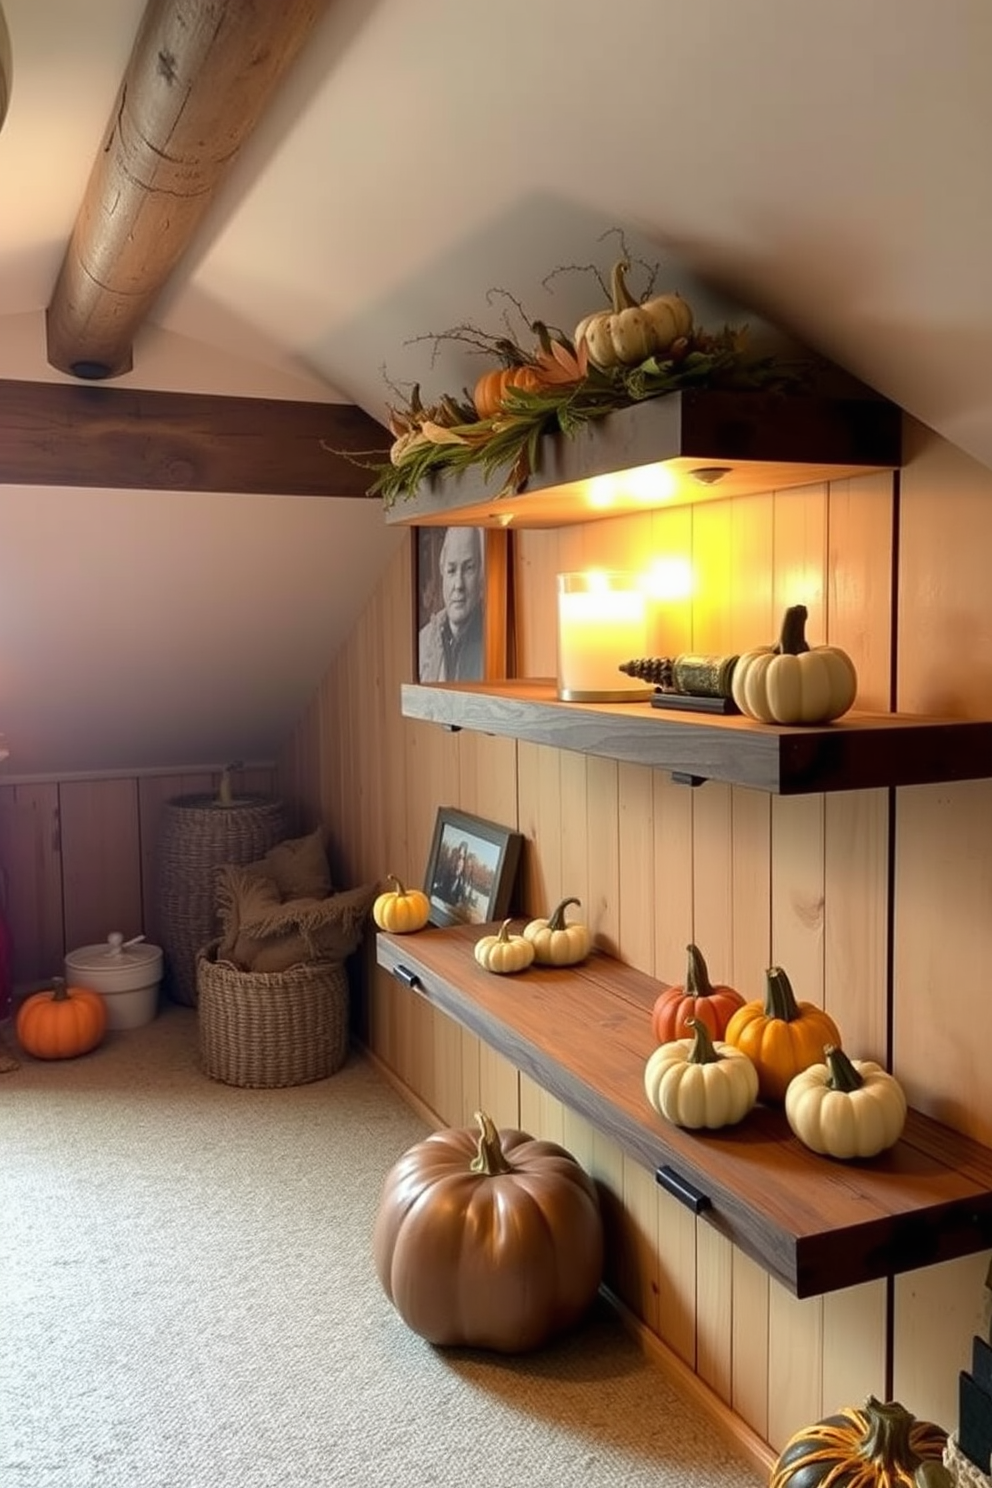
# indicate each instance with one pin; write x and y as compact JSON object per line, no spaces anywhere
{"x":200,"y":75}
{"x":70,"y":434}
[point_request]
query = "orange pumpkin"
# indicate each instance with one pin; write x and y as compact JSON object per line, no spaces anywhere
{"x":61,"y":1022}
{"x":780,"y":1036}
{"x":699,"y":998}
{"x":492,"y":387}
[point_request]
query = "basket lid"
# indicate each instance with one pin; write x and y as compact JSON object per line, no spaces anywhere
{"x":115,"y":951}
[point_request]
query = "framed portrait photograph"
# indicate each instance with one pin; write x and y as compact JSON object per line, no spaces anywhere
{"x":471,"y":869}
{"x":462,"y":598}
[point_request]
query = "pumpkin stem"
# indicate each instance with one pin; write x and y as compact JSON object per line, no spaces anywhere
{"x":59,"y":990}
{"x":792,"y":637}
{"x":886,"y":1439}
{"x":843,"y":1075}
{"x":780,"y":1000}
{"x":697,"y":977}
{"x":489,"y":1158}
{"x":557,"y":920}
{"x":400,"y":890}
{"x":504,"y":931}
{"x":622,"y":297}
{"x":702,"y":1051}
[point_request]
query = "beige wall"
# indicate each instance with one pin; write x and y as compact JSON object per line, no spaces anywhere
{"x":811,"y":882}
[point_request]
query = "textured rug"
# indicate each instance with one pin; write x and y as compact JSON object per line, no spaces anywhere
{"x":187,"y":1300}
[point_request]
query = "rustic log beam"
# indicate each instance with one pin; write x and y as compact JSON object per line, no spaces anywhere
{"x":199,"y":77}
{"x":5,"y":67}
{"x":70,"y":434}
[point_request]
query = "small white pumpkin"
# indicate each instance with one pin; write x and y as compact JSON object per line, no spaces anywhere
{"x":793,"y":682}
{"x":504,"y":953}
{"x":846,"y":1108}
{"x":695,"y":1082}
{"x":632,"y":331}
{"x":558,"y":942}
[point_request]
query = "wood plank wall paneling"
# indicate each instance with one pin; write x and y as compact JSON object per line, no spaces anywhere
{"x":656,"y":864}
{"x":78,"y":860}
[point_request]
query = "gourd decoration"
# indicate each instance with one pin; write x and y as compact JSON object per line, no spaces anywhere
{"x":631,"y":331}
{"x":488,"y":1239}
{"x":517,"y":372}
{"x":697,"y":997}
{"x":557,"y":941}
{"x":61,"y":1022}
{"x":880,"y":1446}
{"x":695,"y":1082}
{"x":793,"y":682}
{"x":781,"y":1036}
{"x":401,"y":910}
{"x":504,"y":953}
{"x":846,"y":1107}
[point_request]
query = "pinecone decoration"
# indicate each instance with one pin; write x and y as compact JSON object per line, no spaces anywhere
{"x":654,"y":669}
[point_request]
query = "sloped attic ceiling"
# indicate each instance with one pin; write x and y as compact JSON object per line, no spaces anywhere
{"x":825,"y":163}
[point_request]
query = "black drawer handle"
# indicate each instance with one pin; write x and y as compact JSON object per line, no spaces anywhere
{"x":406,"y":976}
{"x":693,"y":1198}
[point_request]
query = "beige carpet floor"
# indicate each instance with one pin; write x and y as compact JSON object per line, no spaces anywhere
{"x":187,"y":1300}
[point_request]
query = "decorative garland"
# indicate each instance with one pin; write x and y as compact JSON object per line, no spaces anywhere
{"x":637,"y":350}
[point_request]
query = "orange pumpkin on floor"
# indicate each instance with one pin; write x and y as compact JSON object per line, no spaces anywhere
{"x":61,"y":1022}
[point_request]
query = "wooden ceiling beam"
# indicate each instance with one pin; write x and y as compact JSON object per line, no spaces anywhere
{"x":200,"y":75}
{"x":70,"y":434}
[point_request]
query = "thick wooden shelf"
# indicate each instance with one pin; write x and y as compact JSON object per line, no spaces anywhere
{"x":584,"y":1034}
{"x":858,"y":752}
{"x":696,"y":445}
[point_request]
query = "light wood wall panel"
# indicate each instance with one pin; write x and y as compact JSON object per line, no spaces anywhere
{"x":810,"y":882}
{"x":31,"y":880}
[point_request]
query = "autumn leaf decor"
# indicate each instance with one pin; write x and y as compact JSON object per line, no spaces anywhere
{"x":555,"y":383}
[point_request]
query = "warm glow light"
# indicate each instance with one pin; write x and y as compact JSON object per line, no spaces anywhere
{"x":648,"y":485}
{"x":601,"y":624}
{"x":669,"y":579}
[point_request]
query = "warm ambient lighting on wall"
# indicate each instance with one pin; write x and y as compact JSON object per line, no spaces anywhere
{"x":602,"y":622}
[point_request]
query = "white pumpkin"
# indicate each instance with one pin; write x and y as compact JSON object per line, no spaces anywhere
{"x":630,"y":332}
{"x":846,"y":1108}
{"x":694,"y":1082}
{"x":794,"y":682}
{"x":556,"y":941}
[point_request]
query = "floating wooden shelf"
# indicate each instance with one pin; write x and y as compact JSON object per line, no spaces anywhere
{"x":584,"y":1034}
{"x":690,"y":446}
{"x":858,"y":752}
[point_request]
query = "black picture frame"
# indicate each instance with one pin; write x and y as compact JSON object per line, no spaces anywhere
{"x":483,"y":890}
{"x":493,"y":659}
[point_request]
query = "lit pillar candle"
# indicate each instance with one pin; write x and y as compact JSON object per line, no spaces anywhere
{"x":601,"y":623}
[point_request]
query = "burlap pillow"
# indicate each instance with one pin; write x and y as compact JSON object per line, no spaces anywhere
{"x":242,"y":896}
{"x":299,"y":867}
{"x":307,"y":929}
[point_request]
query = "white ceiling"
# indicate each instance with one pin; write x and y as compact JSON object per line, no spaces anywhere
{"x":826,"y":162}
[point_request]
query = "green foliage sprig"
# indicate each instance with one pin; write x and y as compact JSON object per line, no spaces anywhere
{"x":431,"y":443}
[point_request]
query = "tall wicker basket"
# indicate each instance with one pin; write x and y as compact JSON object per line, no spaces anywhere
{"x":266,"y":1029}
{"x":198,"y":834}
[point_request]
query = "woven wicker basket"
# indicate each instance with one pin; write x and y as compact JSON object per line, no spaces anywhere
{"x":197,"y":835}
{"x":271,"y":1028}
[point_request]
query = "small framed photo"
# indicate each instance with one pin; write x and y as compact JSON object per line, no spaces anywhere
{"x":463,"y":607}
{"x":471,"y":869}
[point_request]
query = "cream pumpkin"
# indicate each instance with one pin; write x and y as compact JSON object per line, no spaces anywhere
{"x":631,"y":331}
{"x":695,"y":1082}
{"x":793,"y":682}
{"x":846,"y":1108}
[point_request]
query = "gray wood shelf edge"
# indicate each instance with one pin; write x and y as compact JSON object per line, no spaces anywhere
{"x":584,"y":1034}
{"x":858,"y":752}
